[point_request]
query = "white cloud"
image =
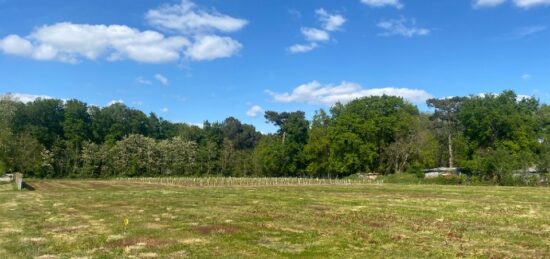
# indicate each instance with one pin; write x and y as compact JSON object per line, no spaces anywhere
{"x":526,"y":76}
{"x":383,"y":3}
{"x":487,"y":3}
{"x":301,"y":48}
{"x":316,"y":93}
{"x":313,"y":34}
{"x":162,"y":79}
{"x":211,"y":47}
{"x":531,"y":3}
{"x":24,"y":98}
{"x":71,"y":43}
{"x":254,"y":111}
{"x":143,"y":81}
{"x":16,"y":45}
{"x":403,"y":27}
{"x":187,"y":18}
{"x":165,"y":110}
{"x":115,"y":102}
{"x":331,"y":22}
{"x":525,"y":4}
{"x":68,"y":42}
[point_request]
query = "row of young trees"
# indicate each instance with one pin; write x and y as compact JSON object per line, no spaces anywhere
{"x":490,"y":136}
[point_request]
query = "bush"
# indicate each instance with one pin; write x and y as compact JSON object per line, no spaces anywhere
{"x":416,"y":170}
{"x":405,"y":178}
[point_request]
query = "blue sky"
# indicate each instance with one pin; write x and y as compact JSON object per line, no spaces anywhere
{"x":190,"y":61}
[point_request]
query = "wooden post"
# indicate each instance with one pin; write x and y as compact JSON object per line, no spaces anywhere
{"x":19,"y":181}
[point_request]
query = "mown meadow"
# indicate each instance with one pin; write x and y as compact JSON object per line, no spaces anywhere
{"x":142,"y":218}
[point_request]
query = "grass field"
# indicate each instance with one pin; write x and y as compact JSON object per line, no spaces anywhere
{"x":85,"y":219}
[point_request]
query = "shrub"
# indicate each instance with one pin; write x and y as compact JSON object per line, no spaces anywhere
{"x":405,"y":178}
{"x":416,"y":170}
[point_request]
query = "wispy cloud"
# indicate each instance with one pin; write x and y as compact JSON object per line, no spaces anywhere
{"x":329,"y":22}
{"x":24,"y":98}
{"x":203,"y":26}
{"x":143,"y":81}
{"x":162,"y":79}
{"x":523,"y":33}
{"x":254,"y":111}
{"x":316,"y":93}
{"x":531,"y":3}
{"x":487,"y":3}
{"x":301,"y":48}
{"x":528,"y":31}
{"x":403,"y":27}
{"x":313,"y":34}
{"x":383,"y":3}
{"x":525,"y":4}
{"x":295,"y":13}
{"x":187,"y":18}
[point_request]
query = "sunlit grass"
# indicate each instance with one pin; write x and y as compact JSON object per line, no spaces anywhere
{"x":63,"y":219}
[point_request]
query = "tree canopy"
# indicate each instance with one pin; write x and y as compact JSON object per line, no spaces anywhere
{"x":490,"y":136}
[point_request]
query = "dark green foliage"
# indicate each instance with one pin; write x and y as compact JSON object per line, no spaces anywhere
{"x":493,"y":120}
{"x":504,"y":134}
{"x":446,"y":122}
{"x":43,"y":119}
{"x":317,"y":150}
{"x":282,"y":154}
{"x":495,"y":139}
{"x":363,"y":129}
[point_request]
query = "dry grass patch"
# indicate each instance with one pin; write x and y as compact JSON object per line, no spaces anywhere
{"x":216,"y":228}
{"x":85,"y":218}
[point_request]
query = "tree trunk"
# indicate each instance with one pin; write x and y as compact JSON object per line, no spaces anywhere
{"x":451,"y":164}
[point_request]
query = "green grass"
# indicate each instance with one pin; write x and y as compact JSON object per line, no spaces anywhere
{"x":69,"y":218}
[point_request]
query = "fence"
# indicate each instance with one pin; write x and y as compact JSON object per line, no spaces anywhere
{"x":232,"y":181}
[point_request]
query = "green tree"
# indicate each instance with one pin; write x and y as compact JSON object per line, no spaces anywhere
{"x":502,"y":126}
{"x":293,"y":135}
{"x":363,"y":129}
{"x":491,"y":120}
{"x":135,"y":155}
{"x":417,"y":146}
{"x":43,"y":119}
{"x":177,"y":156}
{"x":317,"y":149}
{"x":446,"y":120}
{"x":7,"y":112}
{"x":28,"y":156}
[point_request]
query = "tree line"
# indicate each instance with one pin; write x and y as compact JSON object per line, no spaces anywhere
{"x":490,"y":137}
